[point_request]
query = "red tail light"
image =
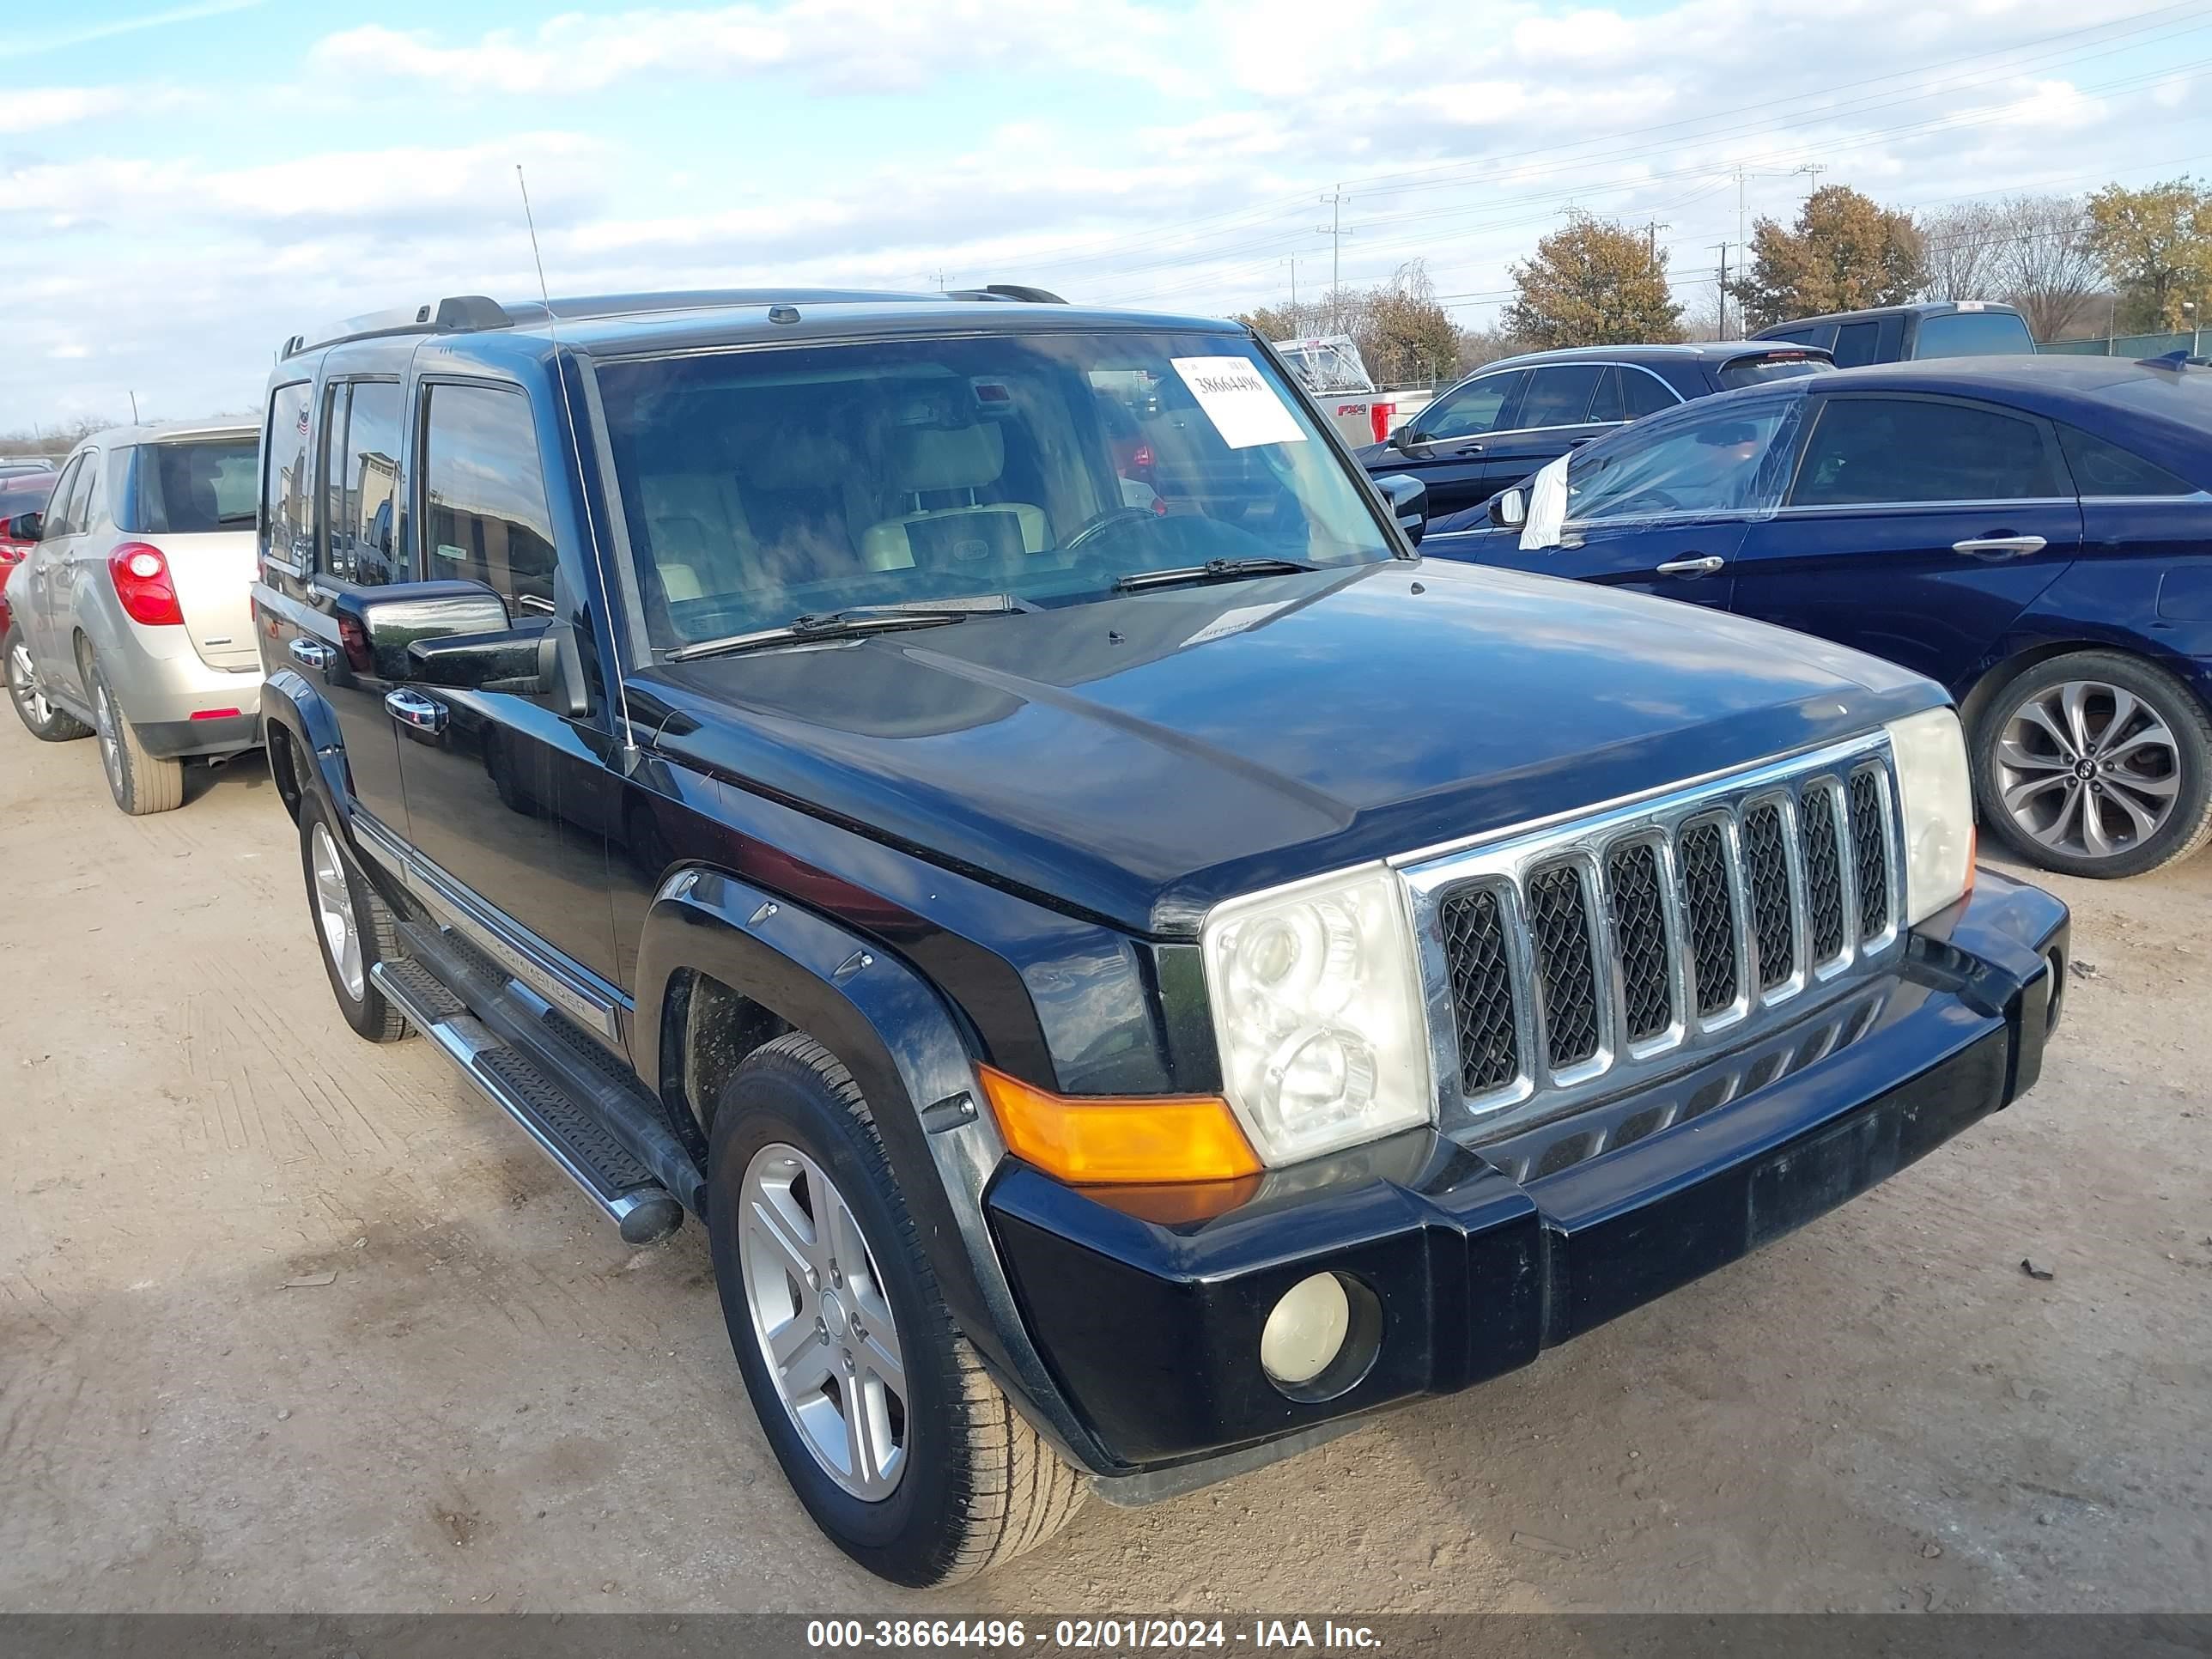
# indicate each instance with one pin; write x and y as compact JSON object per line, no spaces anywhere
{"x":142,"y":583}
{"x":1380,"y":414}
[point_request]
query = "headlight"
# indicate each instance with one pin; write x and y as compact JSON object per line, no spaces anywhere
{"x":1936,"y":794}
{"x":1317,"y":1008}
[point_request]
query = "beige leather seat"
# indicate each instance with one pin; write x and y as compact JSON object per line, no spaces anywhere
{"x":930,"y":461}
{"x":700,"y":542}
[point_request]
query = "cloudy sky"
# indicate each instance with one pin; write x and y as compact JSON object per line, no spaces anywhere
{"x":183,"y":184}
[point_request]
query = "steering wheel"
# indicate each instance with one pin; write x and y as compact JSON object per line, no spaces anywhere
{"x":1099,"y":522}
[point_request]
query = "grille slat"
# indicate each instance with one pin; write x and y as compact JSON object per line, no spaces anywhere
{"x":1610,"y":949}
{"x":1639,"y":934}
{"x":1869,"y":853}
{"x":1482,"y":990}
{"x":1711,"y":909}
{"x":1823,"y":874}
{"x":1567,"y":968}
{"x":1766,"y":873}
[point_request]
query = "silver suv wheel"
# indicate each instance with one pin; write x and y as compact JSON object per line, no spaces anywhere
{"x":111,"y":746}
{"x":2088,"y":769}
{"x":824,"y":1328}
{"x":333,"y":908}
{"x":23,"y":682}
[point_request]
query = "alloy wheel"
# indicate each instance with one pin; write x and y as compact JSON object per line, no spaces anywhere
{"x":2088,"y":769}
{"x":825,"y":1330}
{"x":334,"y":911}
{"x":111,"y":745}
{"x":23,"y":682}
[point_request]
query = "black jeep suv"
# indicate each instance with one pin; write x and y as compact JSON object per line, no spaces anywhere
{"x":1135,"y":969}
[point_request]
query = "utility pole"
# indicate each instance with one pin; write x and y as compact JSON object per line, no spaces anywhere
{"x":1651,"y":229}
{"x":1336,"y":233}
{"x":134,"y":409}
{"x":1722,"y":249}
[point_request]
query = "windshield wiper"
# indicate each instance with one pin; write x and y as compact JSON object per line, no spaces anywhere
{"x":1212,"y":570}
{"x":855,"y":620}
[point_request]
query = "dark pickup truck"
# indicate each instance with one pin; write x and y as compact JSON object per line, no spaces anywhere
{"x":1135,"y":968}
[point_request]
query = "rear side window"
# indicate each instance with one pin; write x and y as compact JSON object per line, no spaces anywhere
{"x":1972,"y":334}
{"x":1605,"y":403}
{"x":364,"y":529}
{"x":2103,"y":468}
{"x":1559,"y":396}
{"x":1866,"y":451}
{"x":72,"y":510}
{"x":287,"y":520}
{"x":189,"y":488}
{"x":1642,"y":392}
{"x":1757,"y":371}
{"x":1856,"y":344}
{"x":485,"y":516}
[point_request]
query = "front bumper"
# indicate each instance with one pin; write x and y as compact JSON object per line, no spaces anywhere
{"x":1481,"y":1257}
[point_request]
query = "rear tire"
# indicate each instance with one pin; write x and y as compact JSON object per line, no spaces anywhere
{"x":975,"y":1484}
{"x":141,"y":783}
{"x":355,"y":929}
{"x":46,"y":720}
{"x":2096,"y":764}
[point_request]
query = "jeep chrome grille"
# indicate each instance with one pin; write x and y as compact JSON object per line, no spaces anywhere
{"x":1571,"y":962}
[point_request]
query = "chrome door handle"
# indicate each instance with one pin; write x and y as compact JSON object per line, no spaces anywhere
{"x":415,"y":711}
{"x":1703,"y":565}
{"x":311,"y":653}
{"x":2000,"y":547}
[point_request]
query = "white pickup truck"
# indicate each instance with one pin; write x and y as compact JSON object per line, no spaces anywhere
{"x":1334,"y":372}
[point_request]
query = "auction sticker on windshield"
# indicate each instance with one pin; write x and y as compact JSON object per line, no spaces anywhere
{"x":1244,"y":408}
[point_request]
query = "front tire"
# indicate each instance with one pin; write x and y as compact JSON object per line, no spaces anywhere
{"x":353,"y":928}
{"x":43,"y":719}
{"x":888,"y":1427}
{"x":2096,"y":764}
{"x":142,"y":784}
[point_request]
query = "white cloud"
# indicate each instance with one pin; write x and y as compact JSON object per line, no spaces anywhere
{"x":839,"y":45}
{"x":33,"y":107}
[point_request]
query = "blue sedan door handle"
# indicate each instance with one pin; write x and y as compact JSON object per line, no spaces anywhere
{"x":2000,"y":547}
{"x":1704,"y":564}
{"x":311,"y":653}
{"x":415,"y":712}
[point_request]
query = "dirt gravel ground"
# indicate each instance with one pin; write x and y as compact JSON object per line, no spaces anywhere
{"x":290,"y":1323}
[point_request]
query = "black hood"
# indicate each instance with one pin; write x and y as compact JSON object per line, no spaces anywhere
{"x":1141,"y":757}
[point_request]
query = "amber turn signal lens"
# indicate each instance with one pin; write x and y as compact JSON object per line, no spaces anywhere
{"x":1087,"y":1138}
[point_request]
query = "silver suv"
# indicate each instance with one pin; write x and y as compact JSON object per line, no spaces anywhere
{"x":131,"y":616}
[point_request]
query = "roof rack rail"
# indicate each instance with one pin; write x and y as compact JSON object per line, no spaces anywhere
{"x":1036,"y":296}
{"x":455,"y":314}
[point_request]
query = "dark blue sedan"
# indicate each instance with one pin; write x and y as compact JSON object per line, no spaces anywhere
{"x":2034,"y":532}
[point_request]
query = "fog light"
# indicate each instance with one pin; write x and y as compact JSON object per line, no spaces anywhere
{"x":1306,"y":1331}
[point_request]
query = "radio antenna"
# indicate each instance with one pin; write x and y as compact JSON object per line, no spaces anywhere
{"x":576,"y":449}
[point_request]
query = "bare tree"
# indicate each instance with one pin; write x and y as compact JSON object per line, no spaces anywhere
{"x":2048,"y":267}
{"x":1966,"y":249}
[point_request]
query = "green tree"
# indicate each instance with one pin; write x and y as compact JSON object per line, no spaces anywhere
{"x":1593,"y":282}
{"x":2156,"y":244}
{"x":1846,"y":252}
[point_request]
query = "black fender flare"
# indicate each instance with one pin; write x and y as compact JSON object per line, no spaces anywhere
{"x":289,"y":700}
{"x":903,"y":1046}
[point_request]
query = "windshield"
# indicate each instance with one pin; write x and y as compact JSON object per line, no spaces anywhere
{"x":763,"y":485}
{"x":190,"y":489}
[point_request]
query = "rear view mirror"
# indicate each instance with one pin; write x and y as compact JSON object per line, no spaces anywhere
{"x":1409,"y":503}
{"x":1509,"y":509}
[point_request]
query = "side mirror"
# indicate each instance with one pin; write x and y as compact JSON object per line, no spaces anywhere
{"x":23,"y":527}
{"x":1509,"y":508}
{"x":523,"y":660}
{"x":1409,"y":503}
{"x":1409,"y":440}
{"x":381,"y":626}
